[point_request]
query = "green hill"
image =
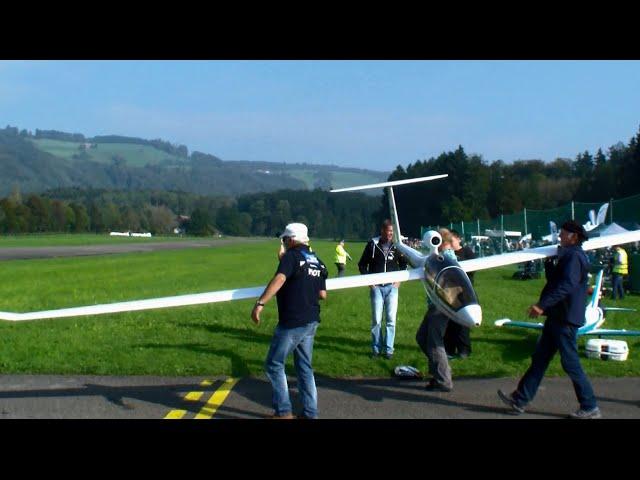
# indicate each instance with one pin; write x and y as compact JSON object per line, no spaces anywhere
{"x":134,"y":155}
{"x":53,"y":159}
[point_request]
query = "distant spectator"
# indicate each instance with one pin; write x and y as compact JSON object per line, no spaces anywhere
{"x":619,"y":271}
{"x":341,"y":258}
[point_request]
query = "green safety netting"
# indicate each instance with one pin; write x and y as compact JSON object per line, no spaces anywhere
{"x":625,"y":212}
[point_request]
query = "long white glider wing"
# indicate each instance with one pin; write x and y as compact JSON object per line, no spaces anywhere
{"x":544,"y":252}
{"x":208,"y":297}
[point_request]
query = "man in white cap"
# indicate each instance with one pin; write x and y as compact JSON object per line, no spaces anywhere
{"x":298,"y":284}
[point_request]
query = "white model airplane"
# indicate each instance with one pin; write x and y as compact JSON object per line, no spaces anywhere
{"x":594,"y":220}
{"x":553,"y":234}
{"x":445,"y":280}
{"x":593,"y":315}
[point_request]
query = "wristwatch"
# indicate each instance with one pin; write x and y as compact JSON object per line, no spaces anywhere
{"x":259,"y":303}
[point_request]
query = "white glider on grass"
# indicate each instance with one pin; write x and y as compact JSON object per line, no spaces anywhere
{"x":445,"y":280}
{"x":593,"y":315}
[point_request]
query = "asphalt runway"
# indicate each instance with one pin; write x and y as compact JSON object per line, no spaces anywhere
{"x":184,"y":398}
{"x":25,"y":253}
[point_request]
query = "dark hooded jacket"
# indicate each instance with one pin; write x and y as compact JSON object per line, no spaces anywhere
{"x":373,"y":259}
{"x":563,"y":297}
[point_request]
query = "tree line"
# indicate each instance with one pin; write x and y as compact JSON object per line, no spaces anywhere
{"x":476,"y":189}
{"x":75,"y":210}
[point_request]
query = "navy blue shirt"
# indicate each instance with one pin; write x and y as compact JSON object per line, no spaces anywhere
{"x":298,"y":300}
{"x":563,"y":297}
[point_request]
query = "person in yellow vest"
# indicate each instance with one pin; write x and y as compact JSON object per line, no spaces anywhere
{"x":340,"y":258}
{"x":619,"y":270}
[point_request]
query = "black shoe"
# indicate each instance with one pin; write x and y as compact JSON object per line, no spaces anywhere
{"x":509,"y":400}
{"x":388,"y":356}
{"x":436,"y":387}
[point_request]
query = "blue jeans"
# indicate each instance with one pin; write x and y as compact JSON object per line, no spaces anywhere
{"x":300,"y":341}
{"x":617,"y":287}
{"x":562,"y":337}
{"x":387,"y":297}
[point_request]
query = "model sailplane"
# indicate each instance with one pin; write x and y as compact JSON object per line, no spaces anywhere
{"x":593,"y":315}
{"x":445,"y":280}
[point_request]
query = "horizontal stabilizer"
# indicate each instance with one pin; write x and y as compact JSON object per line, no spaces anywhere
{"x":389,"y":184}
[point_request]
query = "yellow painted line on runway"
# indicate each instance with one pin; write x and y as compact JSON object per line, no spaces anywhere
{"x":217,"y":399}
{"x":175,"y":415}
{"x":193,"y":396}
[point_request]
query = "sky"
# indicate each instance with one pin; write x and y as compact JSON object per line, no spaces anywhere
{"x":363,"y":114}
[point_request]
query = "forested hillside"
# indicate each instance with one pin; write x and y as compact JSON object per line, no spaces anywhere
{"x":474,"y":189}
{"x":51,"y":159}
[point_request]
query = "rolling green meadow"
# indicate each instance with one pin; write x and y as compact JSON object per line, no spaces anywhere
{"x":136,"y":155}
{"x":220,"y":339}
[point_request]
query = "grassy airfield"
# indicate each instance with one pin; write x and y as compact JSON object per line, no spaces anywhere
{"x":80,"y":239}
{"x":220,"y":339}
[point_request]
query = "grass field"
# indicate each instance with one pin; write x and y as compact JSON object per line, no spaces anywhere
{"x":75,"y":239}
{"x":220,"y":339}
{"x":134,"y":155}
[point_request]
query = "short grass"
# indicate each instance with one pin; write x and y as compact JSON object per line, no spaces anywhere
{"x":220,"y":339}
{"x":62,"y":239}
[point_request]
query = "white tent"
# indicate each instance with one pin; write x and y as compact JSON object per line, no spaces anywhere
{"x":602,"y":230}
{"x":613,"y":229}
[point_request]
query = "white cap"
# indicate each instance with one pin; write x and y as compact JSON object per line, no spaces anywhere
{"x":297,"y":231}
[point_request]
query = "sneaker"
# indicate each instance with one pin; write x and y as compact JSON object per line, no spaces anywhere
{"x":436,"y":387}
{"x":285,"y":416}
{"x":509,"y":400}
{"x":586,"y":414}
{"x":388,"y":356}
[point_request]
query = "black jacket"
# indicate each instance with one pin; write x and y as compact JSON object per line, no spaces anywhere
{"x":373,"y":259}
